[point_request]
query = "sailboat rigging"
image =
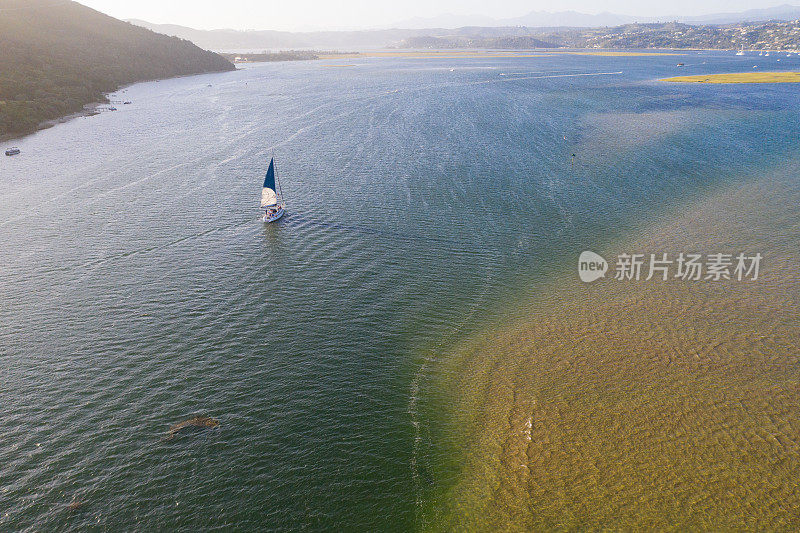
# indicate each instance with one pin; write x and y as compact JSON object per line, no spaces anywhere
{"x":271,"y":195}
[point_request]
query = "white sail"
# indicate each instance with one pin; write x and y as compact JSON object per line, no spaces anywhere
{"x":268,"y":197}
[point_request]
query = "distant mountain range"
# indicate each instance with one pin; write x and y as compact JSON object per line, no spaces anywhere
{"x":534,"y":19}
{"x":474,"y":27}
{"x":778,"y":13}
{"x":573,"y":19}
{"x":257,"y":40}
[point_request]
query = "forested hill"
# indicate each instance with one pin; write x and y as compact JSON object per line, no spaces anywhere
{"x":57,"y":56}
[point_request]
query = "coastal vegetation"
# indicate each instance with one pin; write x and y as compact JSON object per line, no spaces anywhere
{"x":740,"y":77}
{"x":59,"y":57}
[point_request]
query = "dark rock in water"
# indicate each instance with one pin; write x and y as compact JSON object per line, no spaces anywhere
{"x":201,"y":422}
{"x":76,"y":505}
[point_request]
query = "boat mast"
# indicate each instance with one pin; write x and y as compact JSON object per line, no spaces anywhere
{"x":277,"y":180}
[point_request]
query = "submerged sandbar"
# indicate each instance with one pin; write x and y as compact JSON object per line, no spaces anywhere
{"x":740,"y":77}
{"x":630,"y":406}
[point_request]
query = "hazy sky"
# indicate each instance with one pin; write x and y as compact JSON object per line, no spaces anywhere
{"x":338,"y":14}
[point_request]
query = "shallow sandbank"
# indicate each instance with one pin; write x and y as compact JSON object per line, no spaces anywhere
{"x":643,"y":405}
{"x":740,"y":77}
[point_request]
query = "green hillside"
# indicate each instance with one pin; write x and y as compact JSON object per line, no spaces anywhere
{"x":55,"y":57}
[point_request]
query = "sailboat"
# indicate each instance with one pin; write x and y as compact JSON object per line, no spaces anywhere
{"x":270,"y":202}
{"x":740,"y":52}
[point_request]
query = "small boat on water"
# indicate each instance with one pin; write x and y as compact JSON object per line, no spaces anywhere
{"x":271,"y":202}
{"x":12,"y":151}
{"x":740,"y":52}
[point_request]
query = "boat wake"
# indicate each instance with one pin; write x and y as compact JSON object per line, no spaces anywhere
{"x":297,"y":220}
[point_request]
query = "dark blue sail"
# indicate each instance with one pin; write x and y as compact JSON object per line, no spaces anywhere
{"x":269,"y":180}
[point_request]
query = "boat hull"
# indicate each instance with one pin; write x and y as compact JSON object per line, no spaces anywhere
{"x":272,"y":218}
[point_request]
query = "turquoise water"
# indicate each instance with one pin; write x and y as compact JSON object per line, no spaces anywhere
{"x":139,"y":287}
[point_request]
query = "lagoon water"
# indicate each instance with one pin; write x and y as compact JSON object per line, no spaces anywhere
{"x":425,"y":199}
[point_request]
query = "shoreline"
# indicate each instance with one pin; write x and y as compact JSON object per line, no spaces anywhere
{"x":91,"y":108}
{"x":88,"y":110}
